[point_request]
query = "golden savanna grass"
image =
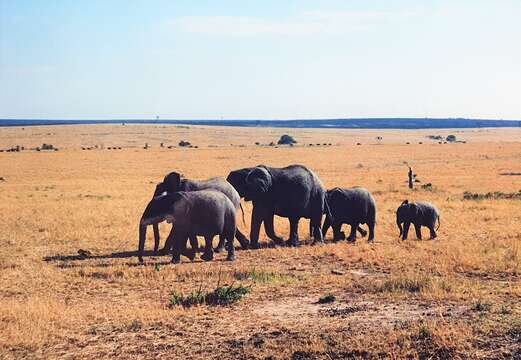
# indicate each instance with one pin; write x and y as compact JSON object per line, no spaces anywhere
{"x":455,"y":297}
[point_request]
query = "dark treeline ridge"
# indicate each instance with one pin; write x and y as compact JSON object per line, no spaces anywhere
{"x":362,"y":123}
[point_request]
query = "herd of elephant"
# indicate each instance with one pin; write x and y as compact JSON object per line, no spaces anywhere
{"x":208,"y":208}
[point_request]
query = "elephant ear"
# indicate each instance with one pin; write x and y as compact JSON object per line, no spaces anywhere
{"x":172,"y":182}
{"x":413,"y":210}
{"x":237,"y":179}
{"x":258,"y":182}
{"x":160,"y":189}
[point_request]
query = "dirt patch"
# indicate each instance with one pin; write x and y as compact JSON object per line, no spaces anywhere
{"x":306,"y":309}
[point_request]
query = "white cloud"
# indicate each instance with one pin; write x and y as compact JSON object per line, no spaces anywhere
{"x":306,"y":23}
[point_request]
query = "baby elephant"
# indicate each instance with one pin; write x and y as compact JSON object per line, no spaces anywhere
{"x":418,"y":213}
{"x":196,"y":213}
{"x":353,"y":206}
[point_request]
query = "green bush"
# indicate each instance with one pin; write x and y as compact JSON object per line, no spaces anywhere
{"x":222,"y":295}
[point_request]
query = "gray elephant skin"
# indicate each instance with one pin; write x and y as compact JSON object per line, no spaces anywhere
{"x":196,"y":213}
{"x":292,"y":192}
{"x":173,"y":182}
{"x":353,"y":206}
{"x":419,"y":214}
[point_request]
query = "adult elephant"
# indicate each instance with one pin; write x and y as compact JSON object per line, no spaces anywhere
{"x":173,"y":182}
{"x":292,"y":192}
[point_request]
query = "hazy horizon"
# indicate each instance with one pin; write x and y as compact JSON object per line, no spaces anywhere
{"x":234,"y":60}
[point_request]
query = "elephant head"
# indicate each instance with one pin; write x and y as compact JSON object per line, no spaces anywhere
{"x":159,"y":209}
{"x":172,"y":182}
{"x":406,"y":212}
{"x":257,"y":183}
{"x":237,"y":179}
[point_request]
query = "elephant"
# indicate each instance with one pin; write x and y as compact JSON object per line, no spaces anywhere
{"x":173,"y":183}
{"x":194,"y":213}
{"x":293,"y":192}
{"x":353,"y":206}
{"x":420,"y":214}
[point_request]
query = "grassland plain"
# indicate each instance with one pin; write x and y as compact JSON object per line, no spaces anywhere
{"x":455,"y":297}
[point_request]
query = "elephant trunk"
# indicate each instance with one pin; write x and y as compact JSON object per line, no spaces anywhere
{"x":142,"y":237}
{"x":399,"y":226}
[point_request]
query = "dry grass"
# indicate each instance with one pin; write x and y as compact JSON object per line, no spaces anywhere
{"x":455,"y":297}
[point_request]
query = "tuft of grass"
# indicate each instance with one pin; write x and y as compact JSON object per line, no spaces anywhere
{"x":496,"y":195}
{"x":481,"y":306}
{"x":428,"y":187}
{"x":261,"y":276}
{"x":412,"y":283}
{"x":222,"y":295}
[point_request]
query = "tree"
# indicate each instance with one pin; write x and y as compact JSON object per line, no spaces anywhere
{"x":286,"y":140}
{"x":451,"y":138}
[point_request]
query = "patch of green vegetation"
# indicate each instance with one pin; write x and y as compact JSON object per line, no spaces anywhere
{"x":222,"y":295}
{"x":496,"y":195}
{"x":481,"y":306}
{"x":428,"y":187}
{"x":261,"y":276}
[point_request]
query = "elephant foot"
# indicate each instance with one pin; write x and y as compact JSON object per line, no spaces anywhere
{"x":219,"y":249}
{"x":190,"y":254}
{"x":207,"y":256}
{"x":292,"y":243}
{"x":140,"y":259}
{"x":254,"y":246}
{"x":230,"y":257}
{"x":362,"y":232}
{"x":245,"y":243}
{"x":278,"y":241}
{"x":370,"y":240}
{"x":317,"y":242}
{"x":164,"y":251}
{"x":351,"y":239}
{"x":176,"y":259}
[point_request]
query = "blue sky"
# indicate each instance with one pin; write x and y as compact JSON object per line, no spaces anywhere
{"x":260,"y":59}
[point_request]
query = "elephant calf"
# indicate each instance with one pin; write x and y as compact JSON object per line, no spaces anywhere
{"x":353,"y":206}
{"x":173,"y":182}
{"x":196,"y":213}
{"x":420,"y":214}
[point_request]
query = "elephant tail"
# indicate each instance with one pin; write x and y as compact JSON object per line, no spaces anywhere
{"x":439,"y":223}
{"x":327,"y":211}
{"x":242,"y":210}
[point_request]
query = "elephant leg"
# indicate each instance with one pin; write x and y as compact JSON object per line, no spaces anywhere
{"x":406,"y":226}
{"x":189,"y":253}
{"x":256,"y":221}
{"x":230,"y":248}
{"x":169,"y":243}
{"x":418,"y":229}
{"x":221,"y":247}
{"x":156,"y":237}
{"x":352,"y":234}
{"x":178,"y":242}
{"x":325,"y":227}
{"x":317,"y":234}
{"x":362,"y":232}
{"x":270,"y":230}
{"x":338,"y":234}
{"x":433,"y":232}
{"x":243,"y":240}
{"x":371,"y":231}
{"x":208,"y":251}
{"x":293,"y":232}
